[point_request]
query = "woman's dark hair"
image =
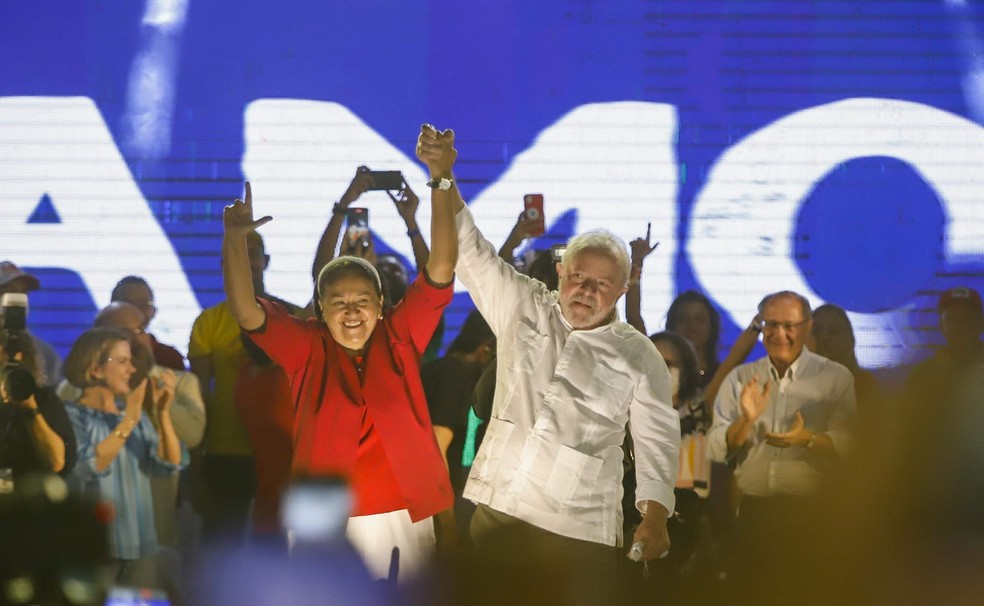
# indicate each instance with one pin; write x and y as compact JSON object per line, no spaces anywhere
{"x":689,"y":376}
{"x":675,"y":315}
{"x":852,"y":362}
{"x":474,"y":332}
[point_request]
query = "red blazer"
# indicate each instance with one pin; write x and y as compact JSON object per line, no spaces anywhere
{"x":329,"y":398}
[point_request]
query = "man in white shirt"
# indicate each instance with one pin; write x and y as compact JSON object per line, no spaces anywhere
{"x":570,"y":377}
{"x":781,"y":421}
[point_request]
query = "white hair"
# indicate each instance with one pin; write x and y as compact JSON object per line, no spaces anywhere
{"x":602,"y":241}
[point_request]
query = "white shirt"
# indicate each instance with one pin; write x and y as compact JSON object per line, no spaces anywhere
{"x":820,"y":390}
{"x":552,"y":454}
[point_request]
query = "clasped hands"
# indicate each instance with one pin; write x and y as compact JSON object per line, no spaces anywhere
{"x":755,"y":400}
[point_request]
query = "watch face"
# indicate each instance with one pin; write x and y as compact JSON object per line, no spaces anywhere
{"x":444,"y":184}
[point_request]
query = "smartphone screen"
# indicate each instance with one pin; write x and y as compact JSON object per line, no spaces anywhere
{"x":533,"y":203}
{"x":357,"y":227}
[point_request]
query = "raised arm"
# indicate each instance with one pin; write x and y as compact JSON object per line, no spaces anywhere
{"x":436,"y":150}
{"x":633,"y":297}
{"x":238,"y":222}
{"x":406,"y":202}
{"x":329,"y":239}
{"x":743,"y":346}
{"x":521,"y":231}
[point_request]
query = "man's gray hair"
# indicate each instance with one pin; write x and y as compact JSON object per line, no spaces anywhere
{"x":804,"y":304}
{"x":604,"y":242}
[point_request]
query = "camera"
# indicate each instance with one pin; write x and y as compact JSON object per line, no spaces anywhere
{"x":18,"y":382}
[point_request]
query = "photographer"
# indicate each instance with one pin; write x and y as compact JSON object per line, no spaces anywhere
{"x":35,"y":433}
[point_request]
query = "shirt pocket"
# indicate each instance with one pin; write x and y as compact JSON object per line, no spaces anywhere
{"x":529,"y":348}
{"x":573,"y":479}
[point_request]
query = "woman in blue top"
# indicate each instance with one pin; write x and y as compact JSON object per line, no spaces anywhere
{"x":120,"y":445}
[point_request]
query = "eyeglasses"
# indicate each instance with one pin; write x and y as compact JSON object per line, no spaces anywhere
{"x":123,"y":361}
{"x":772,"y":325}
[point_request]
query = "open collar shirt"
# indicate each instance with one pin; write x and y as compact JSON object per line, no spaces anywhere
{"x":552,"y":455}
{"x":822,"y":391}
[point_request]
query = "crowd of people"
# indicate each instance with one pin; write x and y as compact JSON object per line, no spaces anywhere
{"x":554,"y":454}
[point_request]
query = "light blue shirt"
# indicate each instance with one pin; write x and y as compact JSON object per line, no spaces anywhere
{"x":125,"y":483}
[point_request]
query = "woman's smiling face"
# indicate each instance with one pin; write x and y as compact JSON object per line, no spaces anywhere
{"x":351,"y":307}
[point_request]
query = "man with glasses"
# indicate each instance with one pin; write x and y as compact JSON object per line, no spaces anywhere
{"x":135,"y":291}
{"x":779,"y":422}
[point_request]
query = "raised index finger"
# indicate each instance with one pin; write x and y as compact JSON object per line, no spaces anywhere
{"x":249,"y":195}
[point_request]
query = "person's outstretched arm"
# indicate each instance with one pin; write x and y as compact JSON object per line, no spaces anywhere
{"x":238,"y":221}
{"x":406,"y":202}
{"x":521,"y":231}
{"x":436,"y":150}
{"x":742,"y":347}
{"x":633,"y":297}
{"x":329,"y":238}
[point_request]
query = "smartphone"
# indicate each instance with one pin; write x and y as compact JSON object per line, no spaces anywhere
{"x":316,"y":510}
{"x":357,"y":227}
{"x":533,"y":205}
{"x":389,"y":180}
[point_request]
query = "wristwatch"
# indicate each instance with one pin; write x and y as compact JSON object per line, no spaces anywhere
{"x":443,"y":184}
{"x":812,"y":441}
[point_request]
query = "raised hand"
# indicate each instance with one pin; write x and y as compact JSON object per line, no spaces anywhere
{"x":754,"y":399}
{"x":436,"y":149}
{"x":360,"y":184}
{"x":237,"y":218}
{"x":406,"y":202}
{"x":641,"y":248}
{"x":162,"y":391}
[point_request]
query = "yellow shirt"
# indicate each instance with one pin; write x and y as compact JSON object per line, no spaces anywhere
{"x":215,"y":335}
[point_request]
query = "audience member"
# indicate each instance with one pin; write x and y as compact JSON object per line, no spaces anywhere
{"x":135,"y":291}
{"x":570,"y":378}
{"x":15,"y":280}
{"x":448,"y":383}
{"x":359,"y":404}
{"x":693,"y":316}
{"x":833,"y":338}
{"x":187,"y":409}
{"x":780,"y":437}
{"x":695,"y":416}
{"x":961,"y":324}
{"x":216,"y":355}
{"x":124,"y":435}
{"x":265,"y":405}
{"x":36,"y":434}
